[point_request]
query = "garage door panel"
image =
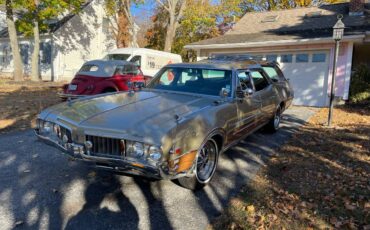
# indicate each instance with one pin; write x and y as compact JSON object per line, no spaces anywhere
{"x":308,"y":80}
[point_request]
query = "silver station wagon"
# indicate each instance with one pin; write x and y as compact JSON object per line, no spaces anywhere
{"x":177,"y":126}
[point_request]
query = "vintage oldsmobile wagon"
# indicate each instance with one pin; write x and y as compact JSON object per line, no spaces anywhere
{"x":177,"y":126}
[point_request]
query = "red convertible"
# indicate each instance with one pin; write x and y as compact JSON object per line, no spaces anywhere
{"x":104,"y":76}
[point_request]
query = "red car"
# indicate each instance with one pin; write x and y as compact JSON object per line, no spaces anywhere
{"x":104,"y":76}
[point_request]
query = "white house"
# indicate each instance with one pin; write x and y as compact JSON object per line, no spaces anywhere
{"x":300,"y":40}
{"x":72,"y":40}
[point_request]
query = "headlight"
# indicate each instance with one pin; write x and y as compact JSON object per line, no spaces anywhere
{"x":135,"y":149}
{"x":140,"y":150}
{"x":47,"y":126}
{"x":155,"y":153}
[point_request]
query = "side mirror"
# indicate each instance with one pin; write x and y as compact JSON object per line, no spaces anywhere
{"x":224,"y":92}
{"x":248,"y":91}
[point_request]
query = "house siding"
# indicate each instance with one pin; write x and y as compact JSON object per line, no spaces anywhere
{"x":77,"y":41}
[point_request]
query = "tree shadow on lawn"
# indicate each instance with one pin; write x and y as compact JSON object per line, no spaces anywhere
{"x":319,"y":179}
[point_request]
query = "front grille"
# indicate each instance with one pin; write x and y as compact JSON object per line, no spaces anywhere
{"x":105,"y":146}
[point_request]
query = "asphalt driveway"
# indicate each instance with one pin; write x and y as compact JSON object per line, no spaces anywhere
{"x":42,"y":189}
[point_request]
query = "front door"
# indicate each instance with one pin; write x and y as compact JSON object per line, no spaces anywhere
{"x":248,"y":106}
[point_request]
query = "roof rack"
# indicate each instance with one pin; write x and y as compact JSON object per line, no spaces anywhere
{"x":233,"y":57}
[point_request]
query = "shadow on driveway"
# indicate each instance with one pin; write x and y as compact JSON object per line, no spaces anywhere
{"x":41,"y":189}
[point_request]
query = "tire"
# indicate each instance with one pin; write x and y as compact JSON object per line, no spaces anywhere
{"x":274,"y":123}
{"x":206,"y":164}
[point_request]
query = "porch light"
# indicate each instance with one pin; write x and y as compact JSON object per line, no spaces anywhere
{"x":338,"y":31}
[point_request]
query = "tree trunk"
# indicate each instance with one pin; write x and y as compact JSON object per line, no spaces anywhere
{"x":170,"y":34}
{"x":35,"y":76}
{"x":17,"y":61}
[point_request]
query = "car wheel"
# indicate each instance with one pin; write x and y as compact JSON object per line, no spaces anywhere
{"x":205,"y":167}
{"x":274,"y":123}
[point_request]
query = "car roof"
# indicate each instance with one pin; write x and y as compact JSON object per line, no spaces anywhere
{"x":223,"y":64}
{"x":101,"y":62}
{"x":106,"y":68}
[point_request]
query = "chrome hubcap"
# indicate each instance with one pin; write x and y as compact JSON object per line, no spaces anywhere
{"x":206,"y":161}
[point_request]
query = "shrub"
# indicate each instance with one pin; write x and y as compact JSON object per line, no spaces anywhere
{"x":360,"y":84}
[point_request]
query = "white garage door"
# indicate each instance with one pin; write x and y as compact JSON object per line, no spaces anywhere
{"x":308,"y":74}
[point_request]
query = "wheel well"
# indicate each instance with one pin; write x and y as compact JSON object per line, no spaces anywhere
{"x":219,"y":141}
{"x":109,"y":89}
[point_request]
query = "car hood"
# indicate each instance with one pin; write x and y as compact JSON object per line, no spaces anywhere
{"x":142,"y":115}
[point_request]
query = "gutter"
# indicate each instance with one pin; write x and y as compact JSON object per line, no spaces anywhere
{"x":353,"y":38}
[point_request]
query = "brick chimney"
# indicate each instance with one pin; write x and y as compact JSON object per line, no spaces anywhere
{"x":356,"y":7}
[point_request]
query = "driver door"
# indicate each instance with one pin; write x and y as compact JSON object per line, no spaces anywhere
{"x":248,"y":106}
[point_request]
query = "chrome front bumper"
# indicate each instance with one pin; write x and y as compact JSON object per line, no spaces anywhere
{"x":124,"y":166}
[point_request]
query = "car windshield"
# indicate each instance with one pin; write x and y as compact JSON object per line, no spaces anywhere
{"x":122,"y":57}
{"x":192,"y":80}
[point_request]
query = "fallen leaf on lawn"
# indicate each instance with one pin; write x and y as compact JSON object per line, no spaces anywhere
{"x":250,"y":209}
{"x":350,"y":207}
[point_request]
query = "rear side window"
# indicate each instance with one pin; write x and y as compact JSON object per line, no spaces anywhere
{"x":89,"y":68}
{"x":274,"y":73}
{"x":127,"y":70}
{"x":260,"y":82}
{"x":271,"y":73}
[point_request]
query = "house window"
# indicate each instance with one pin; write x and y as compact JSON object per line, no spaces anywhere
{"x":25,"y":53}
{"x":6,"y":56}
{"x":286,"y":58}
{"x":45,"y":55}
{"x":319,"y":57}
{"x":301,"y":58}
{"x":271,"y":57}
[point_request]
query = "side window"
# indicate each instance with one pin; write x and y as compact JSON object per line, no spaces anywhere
{"x":127,"y":70}
{"x":45,"y":57}
{"x":136,"y":60}
{"x":260,"y":82}
{"x":167,"y":77}
{"x":271,"y":73}
{"x":24,"y":48}
{"x":245,"y":80}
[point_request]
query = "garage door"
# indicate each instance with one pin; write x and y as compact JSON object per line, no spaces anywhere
{"x":308,"y":74}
